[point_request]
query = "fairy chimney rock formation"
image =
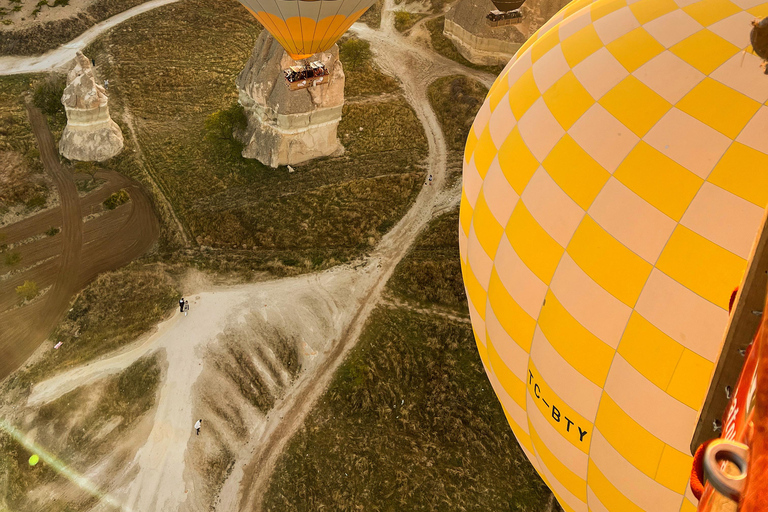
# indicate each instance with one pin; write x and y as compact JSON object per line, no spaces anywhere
{"x":90,"y":134}
{"x":466,"y":27}
{"x":284,"y":126}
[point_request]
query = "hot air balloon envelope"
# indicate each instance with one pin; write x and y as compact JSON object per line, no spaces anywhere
{"x":306,"y":27}
{"x":614,"y":182}
{"x":508,"y":5}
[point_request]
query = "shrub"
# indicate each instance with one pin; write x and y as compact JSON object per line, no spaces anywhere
{"x":116,"y":199}
{"x":402,"y":20}
{"x":47,"y":95}
{"x":35,"y":202}
{"x":12,"y":258}
{"x":355,"y":53}
{"x":28,"y":290}
{"x":221,"y":127}
{"x":52,"y":231}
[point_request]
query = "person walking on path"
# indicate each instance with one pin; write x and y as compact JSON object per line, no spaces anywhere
{"x":186,"y":307}
{"x":181,"y":305}
{"x":198,"y":424}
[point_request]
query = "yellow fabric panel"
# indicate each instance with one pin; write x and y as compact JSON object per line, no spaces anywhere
{"x":759,"y":11}
{"x":609,"y":495}
{"x":658,"y":179}
{"x":691,"y":379}
{"x":705,"y":103}
{"x":718,"y":51}
{"x":516,"y":322}
{"x":487,"y":228}
{"x":650,"y":351}
{"x":743,"y":171}
{"x":481,"y":349}
{"x":514,"y":387}
{"x":532,"y":243}
{"x":469,"y":147}
{"x":641,"y":448}
{"x":577,"y":173}
{"x":568,"y":423}
{"x":570,"y":480}
{"x":485,"y":152}
{"x":465,"y":213}
{"x":635,"y":48}
{"x":522,"y":438}
{"x":516,"y":161}
{"x":545,"y":43}
{"x":567,"y":100}
{"x":604,"y":8}
{"x":608,"y":262}
{"x":708,"y":12}
{"x":648,"y":10}
{"x":497,"y":92}
{"x":475,"y":291}
{"x":580,"y":348}
{"x":581,"y":45}
{"x":635,"y":105}
{"x":702,"y":266}
{"x":279,"y":30}
{"x":523,"y":94}
{"x":674,"y":470}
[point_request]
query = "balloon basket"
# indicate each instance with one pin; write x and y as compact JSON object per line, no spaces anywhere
{"x":500,"y":19}
{"x":309,"y":75}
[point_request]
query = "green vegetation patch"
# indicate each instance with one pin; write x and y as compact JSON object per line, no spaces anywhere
{"x":111,"y":312}
{"x":28,"y":290}
{"x":47,"y":94}
{"x":116,"y":199}
{"x":410,"y":422}
{"x":431,"y":272}
{"x":456,"y":100}
{"x":404,"y":20}
{"x":362,"y":77}
{"x":445,"y":47}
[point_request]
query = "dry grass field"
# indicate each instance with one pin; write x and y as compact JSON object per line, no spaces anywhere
{"x":410,"y":421}
{"x":244,"y":215}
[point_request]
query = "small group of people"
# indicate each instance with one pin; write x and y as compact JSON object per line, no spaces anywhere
{"x":183,"y":306}
{"x":429,"y":180}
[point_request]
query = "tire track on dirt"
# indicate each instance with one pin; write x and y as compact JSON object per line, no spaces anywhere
{"x":112,"y":245}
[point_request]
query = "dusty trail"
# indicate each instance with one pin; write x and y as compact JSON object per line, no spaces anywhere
{"x":63,"y":54}
{"x":326,"y":311}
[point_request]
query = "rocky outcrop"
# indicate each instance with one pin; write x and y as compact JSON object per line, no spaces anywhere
{"x":466,"y":27}
{"x":90,"y":134}
{"x":284,"y":126}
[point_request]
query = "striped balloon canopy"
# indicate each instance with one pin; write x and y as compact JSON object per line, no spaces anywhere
{"x":306,"y":27}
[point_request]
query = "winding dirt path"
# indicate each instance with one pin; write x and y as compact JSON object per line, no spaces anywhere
{"x":70,"y":260}
{"x":63,"y":54}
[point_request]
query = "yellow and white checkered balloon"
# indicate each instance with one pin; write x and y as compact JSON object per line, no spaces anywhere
{"x":614,"y":181}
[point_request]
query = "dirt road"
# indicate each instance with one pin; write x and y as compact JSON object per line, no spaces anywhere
{"x":66,"y":262}
{"x":59,"y":57}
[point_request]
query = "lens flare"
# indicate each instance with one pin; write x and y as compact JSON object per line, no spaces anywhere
{"x":39,"y":453}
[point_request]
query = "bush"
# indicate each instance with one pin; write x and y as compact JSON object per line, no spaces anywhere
{"x":355,"y":53}
{"x":52,"y":231}
{"x":221,"y":128}
{"x":116,"y":199}
{"x":35,"y":202}
{"x":12,"y":258}
{"x":47,"y":95}
{"x":28,"y":290}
